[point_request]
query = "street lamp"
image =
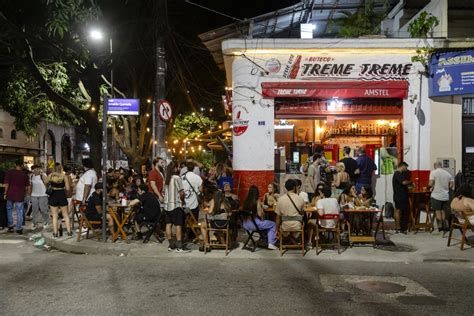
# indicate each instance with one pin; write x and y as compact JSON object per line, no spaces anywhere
{"x":97,"y":35}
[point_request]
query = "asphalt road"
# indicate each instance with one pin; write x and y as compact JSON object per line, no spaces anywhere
{"x":37,"y":282}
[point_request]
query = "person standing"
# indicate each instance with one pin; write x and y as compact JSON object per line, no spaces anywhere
{"x":174,"y":213}
{"x":3,"y":203}
{"x":314,"y":176}
{"x":440,"y":181}
{"x":401,"y":182}
{"x":192,"y":186}
{"x":17,"y":185}
{"x":366,"y":168}
{"x":85,"y":185}
{"x":39,"y":198}
{"x":156,"y":179}
{"x":350,"y":164}
{"x":58,"y":200}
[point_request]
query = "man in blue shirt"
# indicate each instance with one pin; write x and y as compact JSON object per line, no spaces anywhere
{"x":366,"y":167}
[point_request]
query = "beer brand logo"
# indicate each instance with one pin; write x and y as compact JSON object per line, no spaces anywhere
{"x":240,"y":125}
{"x":273,"y":65}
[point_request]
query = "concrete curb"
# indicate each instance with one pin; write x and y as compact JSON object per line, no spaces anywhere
{"x":84,"y":249}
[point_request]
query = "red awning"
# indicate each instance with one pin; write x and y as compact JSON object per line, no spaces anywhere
{"x":336,"y":89}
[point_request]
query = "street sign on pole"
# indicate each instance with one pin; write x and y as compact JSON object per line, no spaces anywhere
{"x":164,"y":110}
{"x":123,"y":106}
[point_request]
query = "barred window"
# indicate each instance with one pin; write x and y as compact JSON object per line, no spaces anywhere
{"x":468,"y":106}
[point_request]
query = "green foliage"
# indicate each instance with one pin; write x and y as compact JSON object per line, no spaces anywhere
{"x":7,"y":165}
{"x":63,"y":14}
{"x":365,"y":21}
{"x":24,"y":99}
{"x":420,"y":28}
{"x":206,"y":158}
{"x":191,"y":126}
{"x":423,"y":25}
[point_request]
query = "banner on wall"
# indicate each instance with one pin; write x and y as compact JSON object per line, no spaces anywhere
{"x":451,"y":73}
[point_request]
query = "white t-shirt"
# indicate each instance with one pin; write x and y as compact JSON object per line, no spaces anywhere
{"x":37,"y":186}
{"x":190,"y":196}
{"x":90,"y":178}
{"x":328,"y":206}
{"x":172,"y":199}
{"x":441,"y":184}
{"x":305,"y":197}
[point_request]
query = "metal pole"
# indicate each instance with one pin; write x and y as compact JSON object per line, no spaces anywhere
{"x":154,"y":130}
{"x":160,"y":73}
{"x":104,"y":150}
{"x":104,"y":170}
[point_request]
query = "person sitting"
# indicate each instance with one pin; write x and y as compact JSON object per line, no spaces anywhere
{"x":463,"y":202}
{"x":327,"y":205}
{"x":216,"y":209}
{"x":366,"y":197}
{"x":94,"y":207}
{"x":271,"y":196}
{"x":341,"y":179}
{"x":348,"y":198}
{"x":318,"y":194}
{"x":149,"y":208}
{"x":114,"y":192}
{"x":254,"y":213}
{"x":301,"y":193}
{"x":289,"y":209}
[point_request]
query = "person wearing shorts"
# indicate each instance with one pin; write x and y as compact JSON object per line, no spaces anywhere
{"x":174,"y":212}
{"x":440,"y":182}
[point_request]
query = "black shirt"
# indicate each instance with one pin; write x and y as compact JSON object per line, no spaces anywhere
{"x":400,"y":191}
{"x":92,"y":202}
{"x":150,"y":206}
{"x":351,"y":166}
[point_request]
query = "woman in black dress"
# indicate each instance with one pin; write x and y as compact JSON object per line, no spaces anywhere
{"x":57,"y":199}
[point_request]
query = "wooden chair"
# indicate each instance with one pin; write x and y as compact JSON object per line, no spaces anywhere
{"x":336,"y":231}
{"x":460,"y":220}
{"x":223,"y":229}
{"x":193,"y":224}
{"x":76,"y":204}
{"x":89,"y":225}
{"x":295,"y":244}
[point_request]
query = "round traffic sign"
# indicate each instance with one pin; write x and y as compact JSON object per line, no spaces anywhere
{"x":164,"y":110}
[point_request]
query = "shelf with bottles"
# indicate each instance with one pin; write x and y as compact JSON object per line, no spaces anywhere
{"x":366,"y":130}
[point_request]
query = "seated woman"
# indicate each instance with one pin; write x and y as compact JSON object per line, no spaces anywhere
{"x":234,"y":204}
{"x":366,"y":196}
{"x":254,"y":210}
{"x":271,"y":196}
{"x":463,"y":202}
{"x":217,"y":211}
{"x":114,"y":192}
{"x":349,"y":198}
{"x":318,"y":195}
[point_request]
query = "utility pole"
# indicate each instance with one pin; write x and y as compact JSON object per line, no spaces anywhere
{"x":160,"y":76}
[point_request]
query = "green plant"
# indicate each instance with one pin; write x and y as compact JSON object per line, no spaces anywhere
{"x":423,"y":25}
{"x":420,"y":28}
{"x":7,"y":165}
{"x":365,"y":21}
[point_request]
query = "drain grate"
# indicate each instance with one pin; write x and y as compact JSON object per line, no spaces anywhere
{"x":380,"y":287}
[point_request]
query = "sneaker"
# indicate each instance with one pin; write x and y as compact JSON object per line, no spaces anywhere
{"x":69,"y":234}
{"x":272,"y":247}
{"x":2,"y":228}
{"x":10,"y":229}
{"x":46,"y":226}
{"x":182,"y":250}
{"x":55,"y":236}
{"x":34,"y":226}
{"x":308,"y":246}
{"x":171,"y":248}
{"x":19,"y":231}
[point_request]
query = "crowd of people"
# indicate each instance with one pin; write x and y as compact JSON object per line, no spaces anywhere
{"x":171,"y":191}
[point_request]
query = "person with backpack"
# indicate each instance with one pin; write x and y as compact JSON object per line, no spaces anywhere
{"x":192,"y":186}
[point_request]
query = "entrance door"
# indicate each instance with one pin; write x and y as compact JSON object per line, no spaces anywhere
{"x":468,"y":139}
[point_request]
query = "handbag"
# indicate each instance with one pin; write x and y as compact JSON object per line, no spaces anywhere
{"x":49,"y":189}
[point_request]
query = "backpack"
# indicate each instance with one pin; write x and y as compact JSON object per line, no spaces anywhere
{"x":389,"y":210}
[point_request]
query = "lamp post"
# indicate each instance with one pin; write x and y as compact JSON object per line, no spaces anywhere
{"x":97,"y":35}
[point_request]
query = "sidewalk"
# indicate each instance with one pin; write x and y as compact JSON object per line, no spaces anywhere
{"x":420,"y":247}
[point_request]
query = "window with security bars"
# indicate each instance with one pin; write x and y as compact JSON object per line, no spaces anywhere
{"x":468,"y":106}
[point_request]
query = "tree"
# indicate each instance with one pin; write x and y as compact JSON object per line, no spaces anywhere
{"x":365,"y":21}
{"x":191,"y":126}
